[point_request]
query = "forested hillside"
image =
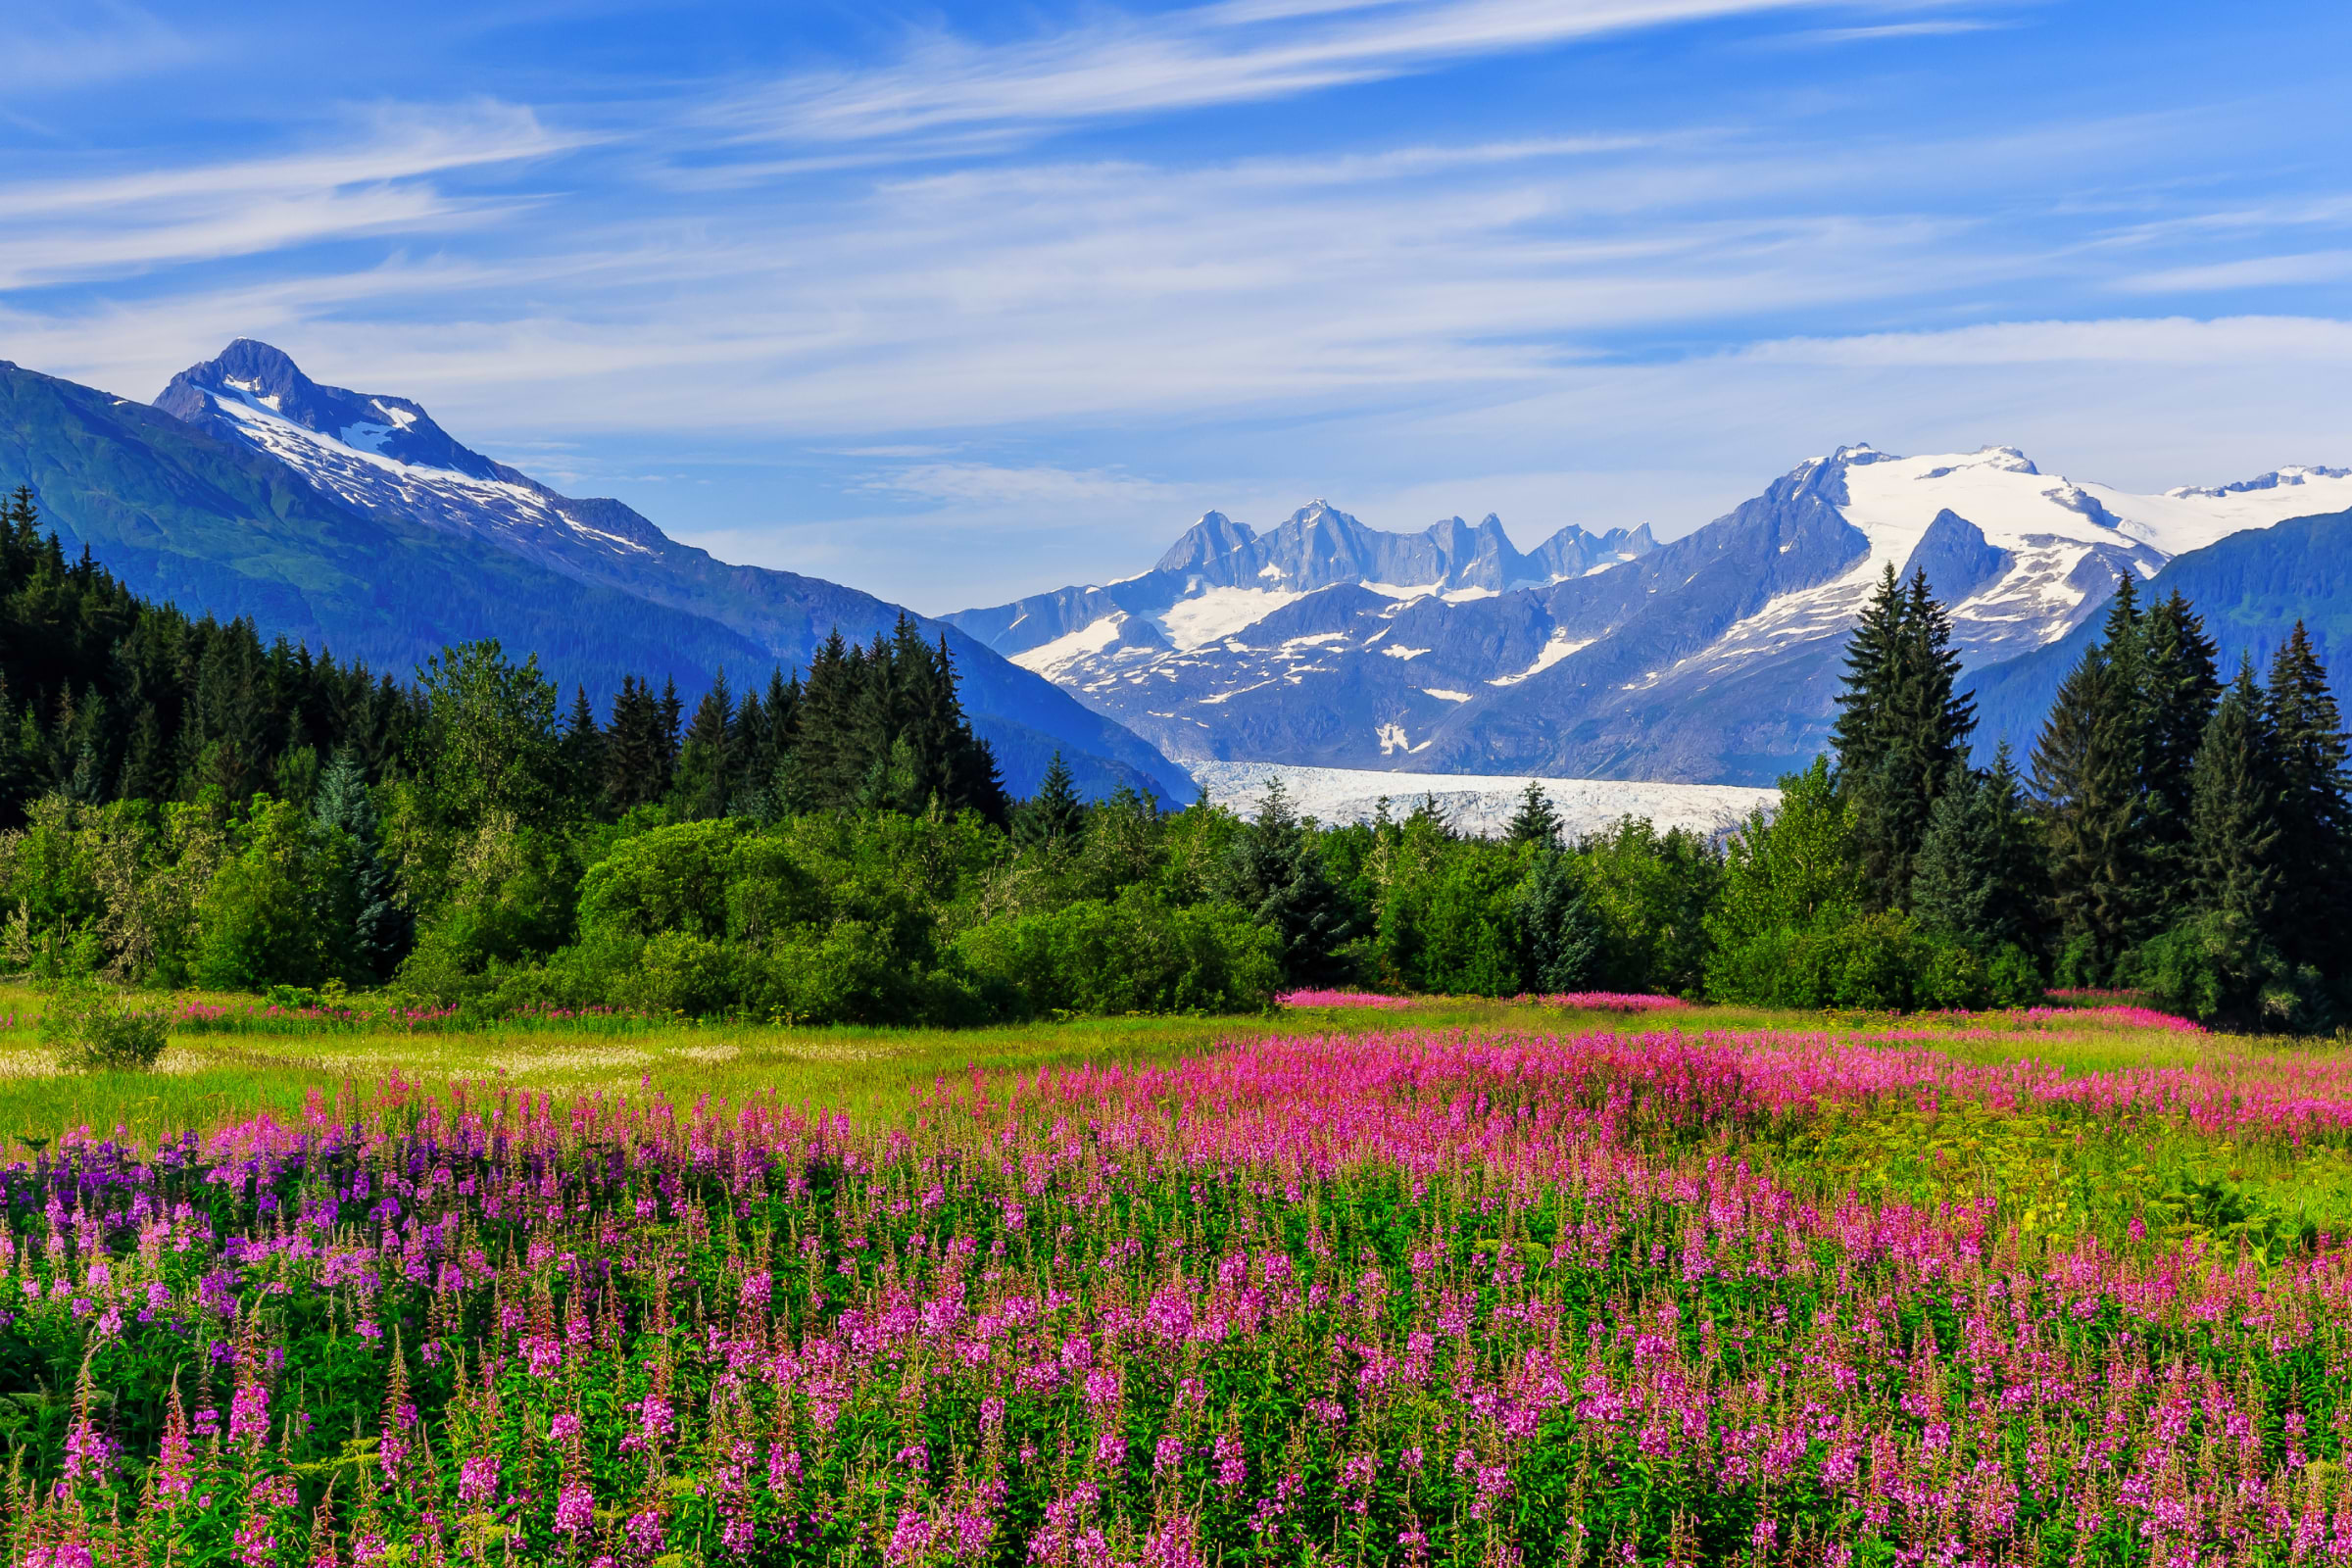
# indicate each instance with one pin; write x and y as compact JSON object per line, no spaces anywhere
{"x":188,"y":804}
{"x":180,"y":516}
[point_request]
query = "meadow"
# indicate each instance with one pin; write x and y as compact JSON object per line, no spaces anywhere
{"x":1458,"y":1282}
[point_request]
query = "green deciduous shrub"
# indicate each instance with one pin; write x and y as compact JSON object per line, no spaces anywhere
{"x":1130,"y":954}
{"x":94,"y":1029}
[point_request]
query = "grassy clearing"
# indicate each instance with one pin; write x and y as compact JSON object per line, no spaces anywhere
{"x":207,"y":1078}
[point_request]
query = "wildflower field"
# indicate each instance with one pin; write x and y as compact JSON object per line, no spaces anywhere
{"x":1511,"y":1285}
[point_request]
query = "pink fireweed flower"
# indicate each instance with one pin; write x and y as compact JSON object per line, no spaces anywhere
{"x":1233,"y":1466}
{"x":645,"y":1532}
{"x":575,"y":1509}
{"x":1340,"y":999}
{"x":909,"y":1540}
{"x":477,"y":1480}
{"x":1604,"y":1002}
{"x":249,"y":1416}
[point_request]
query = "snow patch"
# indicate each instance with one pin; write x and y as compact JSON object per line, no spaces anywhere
{"x":1218,"y":613}
{"x":1559,"y":648}
{"x":1046,"y":658}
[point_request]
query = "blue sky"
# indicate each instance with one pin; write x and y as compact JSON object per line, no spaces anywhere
{"x":956,"y":302}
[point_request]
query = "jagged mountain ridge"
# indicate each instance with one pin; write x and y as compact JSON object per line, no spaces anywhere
{"x":203,"y":515}
{"x":1710,"y":659}
{"x":1223,"y":575}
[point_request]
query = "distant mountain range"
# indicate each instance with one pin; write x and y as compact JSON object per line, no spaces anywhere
{"x":1713,"y":658}
{"x":353,"y":521}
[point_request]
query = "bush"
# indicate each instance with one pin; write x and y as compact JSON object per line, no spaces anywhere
{"x":2217,"y":968}
{"x":1880,"y":961}
{"x":1128,"y":955}
{"x":96,"y":1030}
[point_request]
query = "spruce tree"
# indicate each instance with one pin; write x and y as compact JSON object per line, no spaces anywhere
{"x":670,"y":710}
{"x":2085,"y":770}
{"x":636,"y":760}
{"x":972,"y":781}
{"x":2238,"y":836}
{"x":1980,"y":867}
{"x":376,"y":929}
{"x":2179,"y":685}
{"x":583,"y":753}
{"x":1535,"y":823}
{"x":704,"y":780}
{"x":1871,"y":672}
{"x":825,"y":766}
{"x":1560,"y":933}
{"x":1277,"y":876}
{"x":1901,"y":727}
{"x":2314,"y":809}
{"x":1055,"y":814}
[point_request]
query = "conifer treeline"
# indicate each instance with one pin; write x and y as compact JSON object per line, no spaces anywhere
{"x":2178,"y":836}
{"x":104,"y":695}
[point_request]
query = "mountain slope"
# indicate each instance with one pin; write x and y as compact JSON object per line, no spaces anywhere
{"x":227,"y":527}
{"x":2251,"y":587}
{"x":180,"y":517}
{"x":1713,"y":658}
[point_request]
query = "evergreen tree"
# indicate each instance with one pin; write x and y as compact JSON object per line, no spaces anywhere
{"x":2179,"y":685}
{"x":1562,"y":935}
{"x":2238,"y":837}
{"x":2315,"y":810}
{"x":970,"y":780}
{"x":2087,"y":771}
{"x":1535,"y":823}
{"x":1872,"y":671}
{"x":376,"y":929}
{"x":583,"y":753}
{"x":669,"y":711}
{"x":1979,"y":865}
{"x":1055,"y":814}
{"x":636,"y":757}
{"x":1277,"y":876}
{"x":1901,"y":727}
{"x":826,"y":765}
{"x":705,"y":782}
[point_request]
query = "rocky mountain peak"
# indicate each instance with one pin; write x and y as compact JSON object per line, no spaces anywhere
{"x":264,"y":381}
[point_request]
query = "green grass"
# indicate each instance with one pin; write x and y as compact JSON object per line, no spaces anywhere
{"x":208,"y":1078}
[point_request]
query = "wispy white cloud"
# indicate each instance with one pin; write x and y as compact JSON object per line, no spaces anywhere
{"x":1887,"y":31}
{"x":1198,"y":58}
{"x":1040,"y":486}
{"x":2252,"y":272}
{"x":109,"y":223}
{"x":2169,"y":340}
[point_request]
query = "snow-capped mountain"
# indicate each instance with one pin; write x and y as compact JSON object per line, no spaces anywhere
{"x":382,"y":459}
{"x":1712,"y":658}
{"x":385,"y":456}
